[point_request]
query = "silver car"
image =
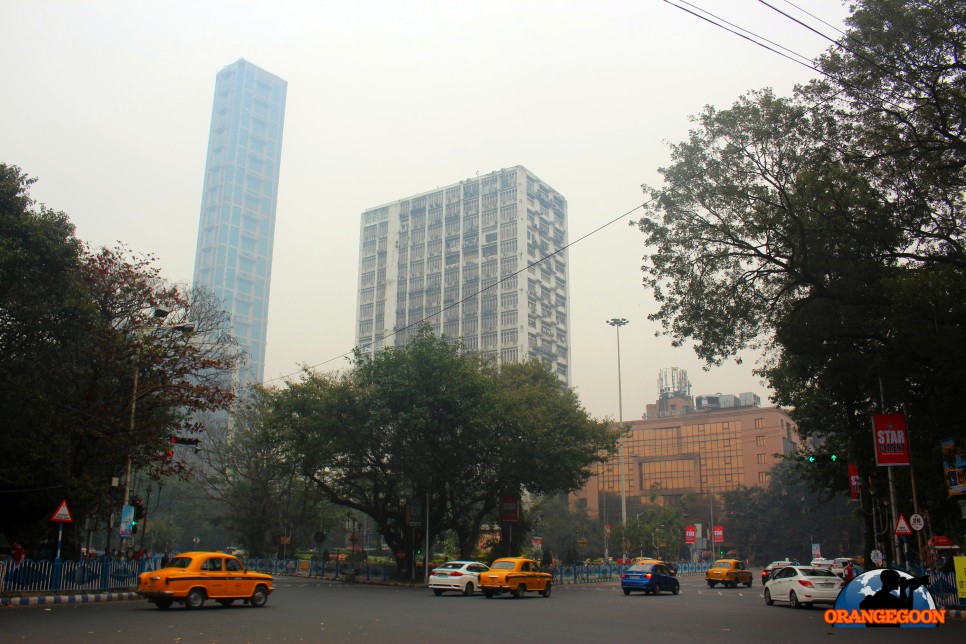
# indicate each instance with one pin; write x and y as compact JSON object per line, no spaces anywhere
{"x":460,"y":576}
{"x":803,"y":586}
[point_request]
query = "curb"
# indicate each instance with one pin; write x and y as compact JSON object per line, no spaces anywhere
{"x":67,"y":599}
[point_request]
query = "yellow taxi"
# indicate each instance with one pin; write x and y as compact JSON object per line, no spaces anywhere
{"x":646,"y":560}
{"x":515,"y":575}
{"x":191,"y":578}
{"x":729,"y":573}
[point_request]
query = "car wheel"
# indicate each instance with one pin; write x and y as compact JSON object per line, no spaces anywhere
{"x":437,"y":592}
{"x":676,"y":589}
{"x":711,"y":584}
{"x":195,"y":599}
{"x":163,"y":604}
{"x":487,"y":593}
{"x":259,"y":597}
{"x":226,"y":602}
{"x":546,"y":589}
{"x":748,"y":585}
{"x":768,"y":600}
{"x":793,"y":600}
{"x":519,"y":590}
{"x":627,"y":591}
{"x":468,"y":590}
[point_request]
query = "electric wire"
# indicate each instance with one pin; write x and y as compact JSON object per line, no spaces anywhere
{"x":472,"y":295}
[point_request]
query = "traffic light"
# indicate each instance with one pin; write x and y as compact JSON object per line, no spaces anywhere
{"x":822,"y":458}
{"x":138,"y":504}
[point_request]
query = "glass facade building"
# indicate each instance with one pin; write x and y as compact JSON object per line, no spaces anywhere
{"x":483,"y":261}
{"x":237,"y":225}
{"x":694,"y":454}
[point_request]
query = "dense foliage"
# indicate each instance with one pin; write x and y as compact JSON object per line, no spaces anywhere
{"x":77,"y":326}
{"x":827,"y":229}
{"x":427,"y":434}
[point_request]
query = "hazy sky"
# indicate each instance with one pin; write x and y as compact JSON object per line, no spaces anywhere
{"x":108,"y":104}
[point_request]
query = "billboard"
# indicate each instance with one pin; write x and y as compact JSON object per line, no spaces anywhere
{"x":891,"y":439}
{"x":954,"y":465}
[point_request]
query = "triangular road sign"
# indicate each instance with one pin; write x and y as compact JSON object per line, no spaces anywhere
{"x":62,"y":514}
{"x":902,"y":526}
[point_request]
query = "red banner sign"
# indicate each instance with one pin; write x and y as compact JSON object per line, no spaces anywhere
{"x":853,"y":481}
{"x":690,"y":532}
{"x":509,"y":508}
{"x":891,"y":439}
{"x":718,"y":534}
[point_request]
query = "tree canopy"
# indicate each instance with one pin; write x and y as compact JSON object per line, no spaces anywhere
{"x":826,"y":229}
{"x":428,"y":434}
{"x":77,"y":326}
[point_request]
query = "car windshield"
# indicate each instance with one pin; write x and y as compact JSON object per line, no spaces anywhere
{"x":179,"y":562}
{"x":641,"y":568}
{"x":502,"y":565}
{"x":449,"y":566}
{"x":817,"y":572}
{"x":722,"y":564}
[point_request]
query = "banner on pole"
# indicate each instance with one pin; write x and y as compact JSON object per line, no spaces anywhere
{"x":853,"y":481}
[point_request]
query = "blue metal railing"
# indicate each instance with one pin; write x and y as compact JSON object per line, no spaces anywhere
{"x":102,"y":575}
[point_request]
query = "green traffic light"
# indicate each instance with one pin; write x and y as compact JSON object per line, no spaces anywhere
{"x":811,"y":459}
{"x":833,"y":457}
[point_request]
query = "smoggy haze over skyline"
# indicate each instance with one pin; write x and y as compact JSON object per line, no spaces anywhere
{"x":108,"y":104}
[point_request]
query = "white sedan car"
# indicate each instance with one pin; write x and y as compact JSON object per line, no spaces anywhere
{"x":803,"y":586}
{"x":461,"y":576}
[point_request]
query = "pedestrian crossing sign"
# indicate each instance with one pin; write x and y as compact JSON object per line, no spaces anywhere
{"x":902,"y":526}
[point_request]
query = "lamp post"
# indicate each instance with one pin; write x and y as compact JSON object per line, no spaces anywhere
{"x":617,"y":323}
{"x":159,"y":314}
{"x":711,"y":527}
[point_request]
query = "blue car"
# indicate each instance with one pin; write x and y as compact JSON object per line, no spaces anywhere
{"x":650,"y":578}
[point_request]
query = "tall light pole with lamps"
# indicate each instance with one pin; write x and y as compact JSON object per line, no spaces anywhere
{"x":617,"y":323}
{"x":159,"y":315}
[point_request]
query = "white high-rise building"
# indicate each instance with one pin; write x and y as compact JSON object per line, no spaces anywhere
{"x":483,"y":261}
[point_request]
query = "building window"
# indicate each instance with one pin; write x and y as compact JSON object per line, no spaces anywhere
{"x":762,"y":477}
{"x":760,"y":441}
{"x":759,"y":423}
{"x":761,"y":459}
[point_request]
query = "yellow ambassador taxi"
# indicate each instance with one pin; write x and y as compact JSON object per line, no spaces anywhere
{"x":729,"y":573}
{"x":515,"y":575}
{"x":194,"y":577}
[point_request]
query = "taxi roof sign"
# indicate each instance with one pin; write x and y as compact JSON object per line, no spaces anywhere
{"x":62,"y":515}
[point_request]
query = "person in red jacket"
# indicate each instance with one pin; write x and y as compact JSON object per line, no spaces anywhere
{"x":18,"y":554}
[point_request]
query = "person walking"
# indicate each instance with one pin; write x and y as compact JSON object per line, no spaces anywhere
{"x":18,"y":554}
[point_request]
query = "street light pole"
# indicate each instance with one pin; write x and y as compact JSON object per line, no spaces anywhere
{"x":617,"y":323}
{"x":159,"y":314}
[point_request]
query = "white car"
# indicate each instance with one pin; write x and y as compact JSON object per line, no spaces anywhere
{"x":803,"y":586}
{"x":461,"y":576}
{"x":840,"y":565}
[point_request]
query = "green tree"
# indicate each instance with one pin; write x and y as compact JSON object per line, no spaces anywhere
{"x":826,"y":229}
{"x":428,"y":425}
{"x":259,"y":496}
{"x":75,"y":328}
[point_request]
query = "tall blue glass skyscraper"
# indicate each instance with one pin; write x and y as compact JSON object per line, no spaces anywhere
{"x":237,"y":228}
